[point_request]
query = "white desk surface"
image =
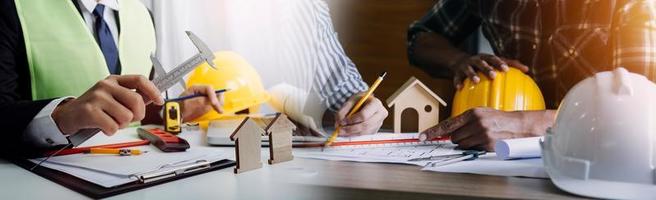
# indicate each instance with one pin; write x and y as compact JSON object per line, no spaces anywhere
{"x":301,"y":179}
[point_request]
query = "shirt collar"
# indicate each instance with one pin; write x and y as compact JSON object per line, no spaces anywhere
{"x":91,"y":4}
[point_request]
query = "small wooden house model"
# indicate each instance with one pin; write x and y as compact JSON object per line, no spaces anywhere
{"x":415,"y":107}
{"x":280,"y":130}
{"x":248,"y":139}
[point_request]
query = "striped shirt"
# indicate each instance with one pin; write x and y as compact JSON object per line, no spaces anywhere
{"x":562,"y":41}
{"x":309,"y":41}
{"x":289,"y":42}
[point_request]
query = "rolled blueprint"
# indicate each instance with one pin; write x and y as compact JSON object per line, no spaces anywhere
{"x":518,"y":148}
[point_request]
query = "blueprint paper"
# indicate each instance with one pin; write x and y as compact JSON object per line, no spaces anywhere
{"x":488,"y":164}
{"x":382,"y":153}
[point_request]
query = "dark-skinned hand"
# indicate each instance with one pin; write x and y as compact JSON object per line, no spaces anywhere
{"x":480,"y":128}
{"x":484,"y":63}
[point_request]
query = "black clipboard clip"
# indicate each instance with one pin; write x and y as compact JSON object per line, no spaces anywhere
{"x":167,"y":171}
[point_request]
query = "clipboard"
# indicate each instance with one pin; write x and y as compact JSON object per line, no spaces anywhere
{"x":146,"y":180}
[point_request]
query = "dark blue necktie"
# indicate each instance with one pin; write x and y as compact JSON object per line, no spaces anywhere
{"x":106,"y":40}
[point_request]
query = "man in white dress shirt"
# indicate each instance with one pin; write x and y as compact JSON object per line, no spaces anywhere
{"x":289,"y":42}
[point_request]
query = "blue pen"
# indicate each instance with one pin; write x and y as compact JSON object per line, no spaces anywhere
{"x":196,"y":95}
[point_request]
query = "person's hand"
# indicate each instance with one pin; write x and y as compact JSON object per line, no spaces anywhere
{"x":302,"y":130}
{"x":366,"y":121}
{"x":480,"y":128}
{"x":110,"y":104}
{"x":485,"y":63}
{"x":196,"y":107}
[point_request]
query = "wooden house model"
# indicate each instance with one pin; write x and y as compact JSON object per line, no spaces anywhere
{"x":279,"y":129}
{"x":415,"y":107}
{"x":248,"y":139}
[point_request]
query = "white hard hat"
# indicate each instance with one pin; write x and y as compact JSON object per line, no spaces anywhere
{"x":603,"y":143}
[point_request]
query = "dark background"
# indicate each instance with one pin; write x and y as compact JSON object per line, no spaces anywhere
{"x":373,"y":33}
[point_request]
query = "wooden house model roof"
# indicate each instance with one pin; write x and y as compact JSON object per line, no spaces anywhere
{"x":279,"y":121}
{"x":408,"y":84}
{"x":266,"y":123}
{"x":233,"y":136}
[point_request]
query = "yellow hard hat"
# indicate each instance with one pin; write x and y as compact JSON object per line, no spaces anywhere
{"x":245,"y":90}
{"x":509,"y":91}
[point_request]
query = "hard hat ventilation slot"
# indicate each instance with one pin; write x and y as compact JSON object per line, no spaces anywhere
{"x":622,"y":82}
{"x":243,"y":112}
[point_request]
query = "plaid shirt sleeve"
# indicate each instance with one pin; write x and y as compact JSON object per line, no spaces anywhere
{"x":633,"y":38}
{"x":452,"y":19}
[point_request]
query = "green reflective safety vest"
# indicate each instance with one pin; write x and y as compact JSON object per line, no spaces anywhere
{"x":63,"y":56}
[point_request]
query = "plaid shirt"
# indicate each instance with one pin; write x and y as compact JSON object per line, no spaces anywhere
{"x":562,"y":41}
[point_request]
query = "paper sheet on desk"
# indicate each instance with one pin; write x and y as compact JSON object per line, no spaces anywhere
{"x":490,"y":164}
{"x":105,"y":179}
{"x":152,"y":160}
{"x":381,"y":153}
{"x":111,"y":170}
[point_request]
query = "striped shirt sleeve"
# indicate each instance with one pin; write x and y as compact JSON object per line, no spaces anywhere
{"x":337,"y":78}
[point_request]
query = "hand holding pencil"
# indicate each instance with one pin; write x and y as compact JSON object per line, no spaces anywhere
{"x":361,"y":114}
{"x":196,"y":106}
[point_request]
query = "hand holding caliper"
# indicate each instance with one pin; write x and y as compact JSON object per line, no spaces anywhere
{"x":112,"y":104}
{"x":115,"y":104}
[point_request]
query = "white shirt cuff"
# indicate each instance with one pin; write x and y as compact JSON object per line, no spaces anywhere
{"x":42,"y":131}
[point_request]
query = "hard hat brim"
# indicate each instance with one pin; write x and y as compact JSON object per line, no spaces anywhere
{"x":602,"y":189}
{"x":590,"y":187}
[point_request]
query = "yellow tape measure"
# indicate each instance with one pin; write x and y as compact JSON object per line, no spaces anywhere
{"x":172,"y":118}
